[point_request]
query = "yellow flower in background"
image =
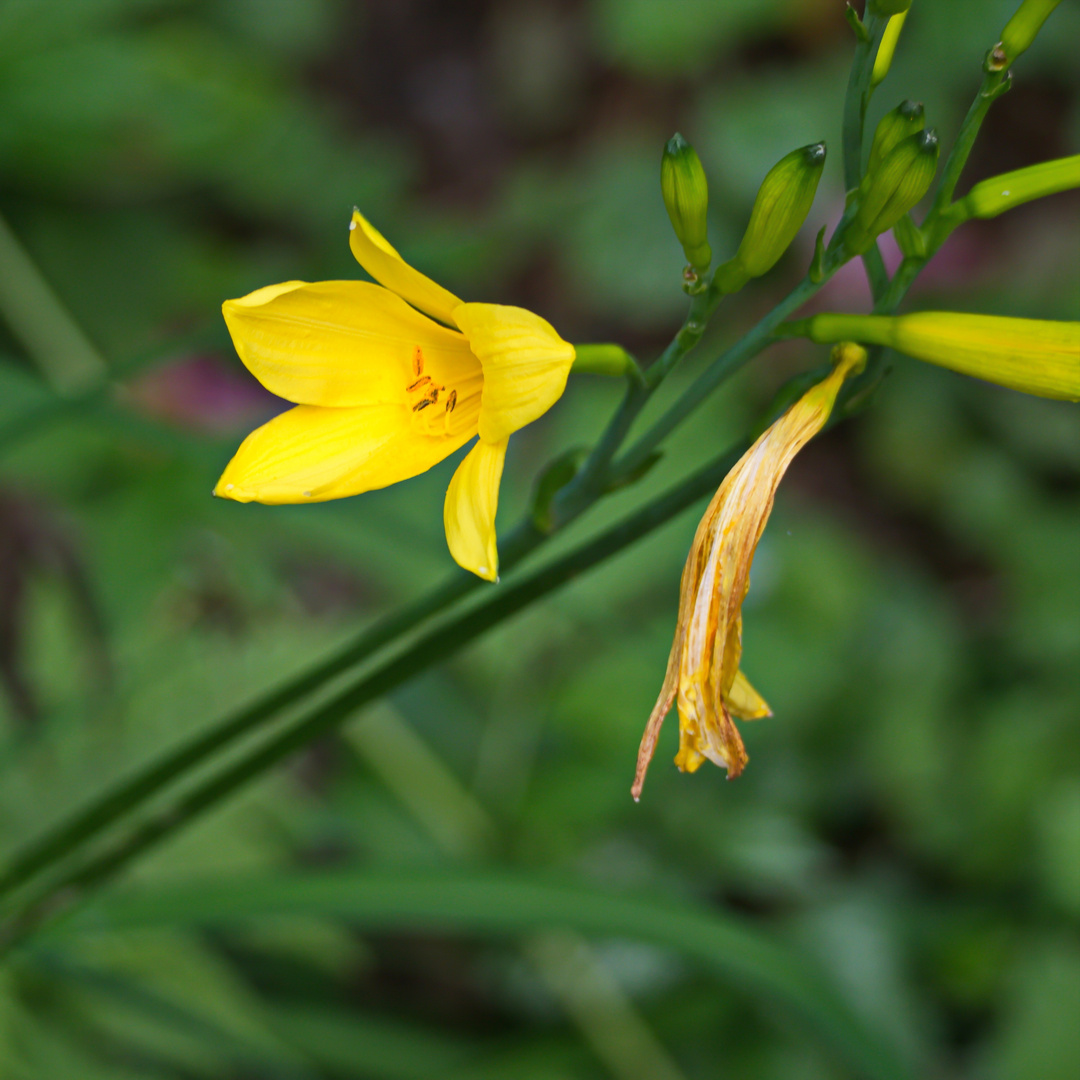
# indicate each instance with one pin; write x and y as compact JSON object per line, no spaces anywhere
{"x":703,"y":677}
{"x":388,"y":380}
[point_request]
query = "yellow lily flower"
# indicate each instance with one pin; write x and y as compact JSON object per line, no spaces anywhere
{"x":703,"y":677}
{"x":388,"y":380}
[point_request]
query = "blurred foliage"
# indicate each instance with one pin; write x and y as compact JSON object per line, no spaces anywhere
{"x":910,"y":819}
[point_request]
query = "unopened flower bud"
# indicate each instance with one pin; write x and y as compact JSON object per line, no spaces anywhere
{"x":1021,"y":29}
{"x":783,"y":201}
{"x":902,"y":179}
{"x":906,"y":119}
{"x":888,"y":7}
{"x":686,"y":196}
{"x":1034,"y":356}
{"x":887,"y":48}
{"x":988,"y":198}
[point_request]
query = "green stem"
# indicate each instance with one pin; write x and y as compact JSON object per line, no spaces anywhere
{"x":857,"y":98}
{"x":40,"y":321}
{"x":722,"y":368}
{"x":994,"y":84}
{"x":433,"y":646}
{"x":60,"y":408}
{"x":856,"y":101}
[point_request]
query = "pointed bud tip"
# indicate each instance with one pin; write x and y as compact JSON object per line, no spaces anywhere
{"x":911,"y":110}
{"x":928,"y":139}
{"x":815,"y":152}
{"x":676,"y":144}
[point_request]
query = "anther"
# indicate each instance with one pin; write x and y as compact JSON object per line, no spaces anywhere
{"x":421,"y":405}
{"x":418,"y":360}
{"x":424,"y":379}
{"x":451,"y":401}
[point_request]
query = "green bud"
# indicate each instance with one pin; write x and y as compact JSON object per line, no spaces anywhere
{"x":900,"y":182}
{"x":888,"y":7}
{"x":1021,"y":29}
{"x":906,"y":119}
{"x":783,"y":201}
{"x":686,"y":196}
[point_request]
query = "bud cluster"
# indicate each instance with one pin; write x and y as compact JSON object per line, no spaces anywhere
{"x":903,"y":161}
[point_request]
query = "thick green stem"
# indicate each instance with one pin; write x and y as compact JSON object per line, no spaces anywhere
{"x":430,"y":648}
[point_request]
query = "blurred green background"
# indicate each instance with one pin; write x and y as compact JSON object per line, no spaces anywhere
{"x":910,"y":818}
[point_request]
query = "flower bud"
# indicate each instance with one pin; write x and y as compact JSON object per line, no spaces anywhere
{"x":888,"y":7}
{"x":783,"y":201}
{"x":988,"y":198}
{"x":902,"y":179}
{"x":906,"y":119}
{"x":1021,"y":29}
{"x":686,"y":196}
{"x":1035,"y":356}
{"x":887,"y":48}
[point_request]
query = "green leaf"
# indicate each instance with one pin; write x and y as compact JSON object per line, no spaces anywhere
{"x":502,"y":904}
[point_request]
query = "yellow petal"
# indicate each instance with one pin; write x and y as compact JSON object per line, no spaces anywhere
{"x":469,"y":510}
{"x":387,"y":267}
{"x":525,"y":365}
{"x":345,"y":343}
{"x":744,"y":701}
{"x":310,"y":454}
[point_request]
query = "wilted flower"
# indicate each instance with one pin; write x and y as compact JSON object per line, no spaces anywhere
{"x":703,"y":677}
{"x":384,"y":391}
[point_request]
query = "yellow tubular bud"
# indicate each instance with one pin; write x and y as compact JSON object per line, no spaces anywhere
{"x":1021,"y":29}
{"x":1035,"y":356}
{"x":887,"y":48}
{"x":686,"y":197}
{"x":991,"y":197}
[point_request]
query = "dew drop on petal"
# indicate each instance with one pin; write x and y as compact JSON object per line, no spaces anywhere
{"x":307,"y":494}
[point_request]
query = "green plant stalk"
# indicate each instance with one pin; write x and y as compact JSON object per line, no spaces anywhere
{"x":52,"y":338}
{"x":495,"y":903}
{"x":856,"y":101}
{"x":994,"y":84}
{"x":429,"y":648}
{"x":100,"y":389}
